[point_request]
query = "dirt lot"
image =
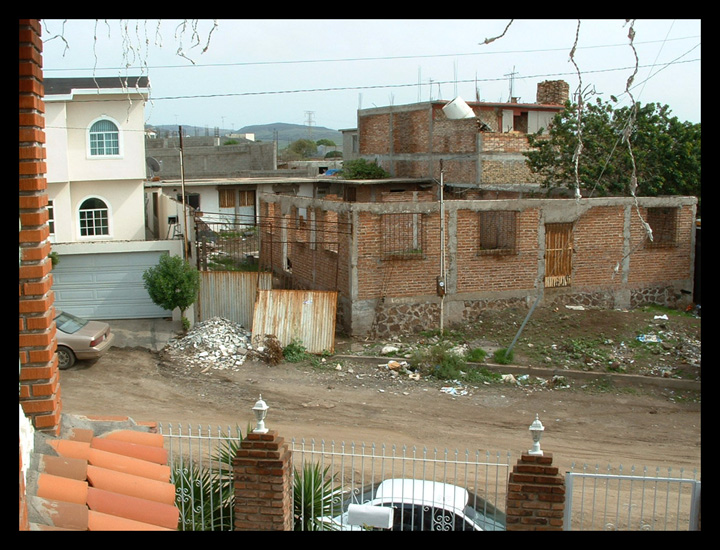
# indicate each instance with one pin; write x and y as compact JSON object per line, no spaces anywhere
{"x":352,"y":395}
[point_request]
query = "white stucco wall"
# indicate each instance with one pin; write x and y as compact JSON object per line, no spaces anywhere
{"x":73,"y":175}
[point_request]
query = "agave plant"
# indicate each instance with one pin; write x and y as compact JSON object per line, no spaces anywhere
{"x":314,"y":498}
{"x":205,"y":496}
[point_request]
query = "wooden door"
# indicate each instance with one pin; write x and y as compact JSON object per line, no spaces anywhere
{"x":558,"y":254}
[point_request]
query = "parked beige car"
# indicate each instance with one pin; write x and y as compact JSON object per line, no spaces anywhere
{"x":79,"y":339}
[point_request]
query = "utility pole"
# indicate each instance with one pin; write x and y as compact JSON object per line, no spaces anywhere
{"x":184,"y":200}
{"x":309,"y":121}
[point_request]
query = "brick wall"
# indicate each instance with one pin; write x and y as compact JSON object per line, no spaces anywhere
{"x":262,"y":484}
{"x":39,"y":375}
{"x":385,"y":292}
{"x":408,"y":142}
{"x":536,"y":495}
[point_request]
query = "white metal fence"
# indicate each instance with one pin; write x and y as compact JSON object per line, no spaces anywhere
{"x":365,"y":486}
{"x":635,"y":500}
{"x":340,"y":487}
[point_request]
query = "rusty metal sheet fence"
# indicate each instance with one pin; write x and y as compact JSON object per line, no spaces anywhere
{"x":634,"y":500}
{"x":304,"y":315}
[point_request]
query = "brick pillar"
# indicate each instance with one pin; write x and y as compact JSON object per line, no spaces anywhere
{"x":39,"y":375}
{"x":263,"y":489}
{"x":535,"y":495}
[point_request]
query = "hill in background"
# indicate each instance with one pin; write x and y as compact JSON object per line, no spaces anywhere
{"x":283,"y":132}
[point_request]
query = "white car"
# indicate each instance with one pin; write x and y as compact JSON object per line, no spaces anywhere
{"x":419,"y":505}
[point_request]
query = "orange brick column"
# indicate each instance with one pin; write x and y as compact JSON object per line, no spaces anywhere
{"x":39,"y":375}
{"x":536,"y":495}
{"x":263,"y":484}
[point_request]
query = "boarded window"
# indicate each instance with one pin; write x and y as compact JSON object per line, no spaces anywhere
{"x":402,"y":236}
{"x":558,"y":254}
{"x":227,"y":198}
{"x":498,"y":233}
{"x":247,"y":198}
{"x":663,"y":222}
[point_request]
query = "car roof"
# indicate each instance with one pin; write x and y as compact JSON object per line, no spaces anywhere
{"x":419,"y":491}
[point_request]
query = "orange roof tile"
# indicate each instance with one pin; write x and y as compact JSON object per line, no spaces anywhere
{"x":102,"y":478}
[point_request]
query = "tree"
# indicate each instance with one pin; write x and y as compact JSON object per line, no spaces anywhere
{"x":665,"y":151}
{"x":360,"y":169}
{"x":302,"y":148}
{"x":172,"y":283}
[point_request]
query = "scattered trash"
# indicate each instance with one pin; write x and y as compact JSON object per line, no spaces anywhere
{"x":454,"y":390}
{"x":576,"y":308}
{"x":663,"y":317}
{"x":649,"y":338}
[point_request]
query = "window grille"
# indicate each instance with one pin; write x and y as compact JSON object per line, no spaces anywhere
{"x":663,"y":222}
{"x":403,"y":236}
{"x":498,"y":232}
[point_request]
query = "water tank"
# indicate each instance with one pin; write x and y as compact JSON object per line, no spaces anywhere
{"x":458,"y":109}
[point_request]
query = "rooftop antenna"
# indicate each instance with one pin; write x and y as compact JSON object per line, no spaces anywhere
{"x":512,"y":81}
{"x":455,"y":77}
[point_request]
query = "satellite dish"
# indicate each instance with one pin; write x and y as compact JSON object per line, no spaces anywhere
{"x":154,"y":164}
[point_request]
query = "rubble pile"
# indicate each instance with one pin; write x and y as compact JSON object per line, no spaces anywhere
{"x":217,"y":344}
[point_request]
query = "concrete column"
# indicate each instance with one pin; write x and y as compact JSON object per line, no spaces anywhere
{"x":263,"y":484}
{"x":535,"y":495}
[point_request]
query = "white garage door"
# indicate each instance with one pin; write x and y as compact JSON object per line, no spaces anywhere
{"x":106,"y":285}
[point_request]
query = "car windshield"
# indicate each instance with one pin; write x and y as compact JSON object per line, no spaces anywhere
{"x":68,"y":323}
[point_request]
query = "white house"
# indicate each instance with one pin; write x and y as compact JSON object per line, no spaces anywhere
{"x":95,"y":144}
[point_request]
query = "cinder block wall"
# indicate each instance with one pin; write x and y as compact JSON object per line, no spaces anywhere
{"x":39,"y":374}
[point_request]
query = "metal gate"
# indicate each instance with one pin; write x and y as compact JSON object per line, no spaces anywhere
{"x":558,"y":254}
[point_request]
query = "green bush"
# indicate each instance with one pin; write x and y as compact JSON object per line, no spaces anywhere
{"x":503,"y":357}
{"x":476,"y":355}
{"x":439,"y":361}
{"x":295,"y":351}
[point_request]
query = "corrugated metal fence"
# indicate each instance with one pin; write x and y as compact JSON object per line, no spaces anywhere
{"x":305,"y":315}
{"x":230,"y":295}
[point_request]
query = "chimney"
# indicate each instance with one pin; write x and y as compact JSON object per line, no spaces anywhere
{"x":553,"y":92}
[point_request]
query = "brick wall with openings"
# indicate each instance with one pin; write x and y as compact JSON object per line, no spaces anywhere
{"x":39,"y":375}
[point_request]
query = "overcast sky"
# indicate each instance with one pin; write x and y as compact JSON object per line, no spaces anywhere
{"x":319,"y":72}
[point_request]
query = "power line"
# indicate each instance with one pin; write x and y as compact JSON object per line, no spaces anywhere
{"x":379,"y":86}
{"x":355,"y":59}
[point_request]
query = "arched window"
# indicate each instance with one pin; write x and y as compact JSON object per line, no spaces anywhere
{"x":94,"y":218}
{"x":104,"y":138}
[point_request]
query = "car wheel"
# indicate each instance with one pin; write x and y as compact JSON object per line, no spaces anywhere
{"x":66,"y":358}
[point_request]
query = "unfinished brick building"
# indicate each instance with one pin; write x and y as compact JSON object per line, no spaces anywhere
{"x":407,"y":253}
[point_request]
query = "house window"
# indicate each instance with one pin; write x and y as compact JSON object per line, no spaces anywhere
{"x":227,"y":198}
{"x":247,"y":198}
{"x":403,"y":236}
{"x":94,"y":219}
{"x":104,"y":139}
{"x":663,"y":222}
{"x":498,"y":232}
{"x":51,"y":218}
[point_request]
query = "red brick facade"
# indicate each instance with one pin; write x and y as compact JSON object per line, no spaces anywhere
{"x":612,"y":264}
{"x":39,"y":375}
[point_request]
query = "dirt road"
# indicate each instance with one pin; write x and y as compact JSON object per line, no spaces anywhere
{"x":362,"y":402}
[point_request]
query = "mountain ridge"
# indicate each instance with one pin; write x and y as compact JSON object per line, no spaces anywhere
{"x":285,"y":132}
